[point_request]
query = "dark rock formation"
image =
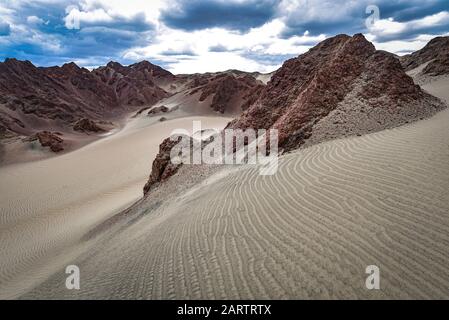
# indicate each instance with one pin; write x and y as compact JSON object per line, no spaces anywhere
{"x":343,"y":86}
{"x":307,"y":88}
{"x":87,"y":126}
{"x":51,"y":140}
{"x":9,"y":125}
{"x":436,"y":53}
{"x":61,"y":95}
{"x":230,"y":91}
{"x":137,"y":84}
{"x":162,"y":167}
{"x":439,"y":66}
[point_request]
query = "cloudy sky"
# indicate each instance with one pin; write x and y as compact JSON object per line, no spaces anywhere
{"x":186,"y":36}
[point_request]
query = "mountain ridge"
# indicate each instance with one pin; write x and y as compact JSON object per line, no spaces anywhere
{"x":341,"y":87}
{"x":54,"y":98}
{"x":435,"y":53}
{"x":306,"y":89}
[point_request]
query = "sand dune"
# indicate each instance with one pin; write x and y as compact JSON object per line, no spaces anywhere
{"x":48,"y":205}
{"x":307,"y":232}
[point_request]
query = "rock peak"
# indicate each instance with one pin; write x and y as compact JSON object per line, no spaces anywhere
{"x":70,"y":66}
{"x":114,"y":64}
{"x":337,"y":72}
{"x":435,"y":53}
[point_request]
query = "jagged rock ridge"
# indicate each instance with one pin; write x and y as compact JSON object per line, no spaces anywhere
{"x":60,"y":96}
{"x":343,"y":86}
{"x":343,"y":75}
{"x":435,"y":53}
{"x":230,"y":91}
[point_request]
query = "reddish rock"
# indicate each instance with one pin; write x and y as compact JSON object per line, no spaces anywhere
{"x":62,"y":95}
{"x":437,"y":50}
{"x":65,"y":94}
{"x":225,"y":88}
{"x":231,"y":91}
{"x":140,"y":111}
{"x":137,"y":84}
{"x":338,"y":74}
{"x":51,"y":140}
{"x":162,"y":167}
{"x":157,"y":110}
{"x":307,"y":88}
{"x":87,"y":125}
{"x":439,"y":66}
{"x":10,"y":126}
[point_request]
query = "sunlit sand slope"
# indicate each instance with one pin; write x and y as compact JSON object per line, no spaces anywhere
{"x":47,"y":206}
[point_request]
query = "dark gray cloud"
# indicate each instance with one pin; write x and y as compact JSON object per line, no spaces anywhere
{"x":230,"y":14}
{"x":334,"y":17}
{"x":94,"y":42}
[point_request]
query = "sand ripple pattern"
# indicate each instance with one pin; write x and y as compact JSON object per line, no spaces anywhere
{"x":48,"y":206}
{"x":307,"y":232}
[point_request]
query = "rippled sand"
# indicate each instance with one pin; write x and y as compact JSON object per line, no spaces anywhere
{"x":307,"y":232}
{"x":47,"y":206}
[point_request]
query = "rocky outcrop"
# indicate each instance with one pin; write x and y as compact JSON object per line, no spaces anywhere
{"x":51,"y":140}
{"x":162,"y":167}
{"x":339,"y":70}
{"x":343,"y":86}
{"x":435,"y":53}
{"x":87,"y":126}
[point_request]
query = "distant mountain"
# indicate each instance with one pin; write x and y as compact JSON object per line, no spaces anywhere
{"x":343,"y":86}
{"x":137,"y":84}
{"x":33,"y":98}
{"x":55,"y":98}
{"x":435,"y":54}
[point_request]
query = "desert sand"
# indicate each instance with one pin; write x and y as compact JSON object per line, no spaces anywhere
{"x":48,"y":205}
{"x":309,"y":231}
